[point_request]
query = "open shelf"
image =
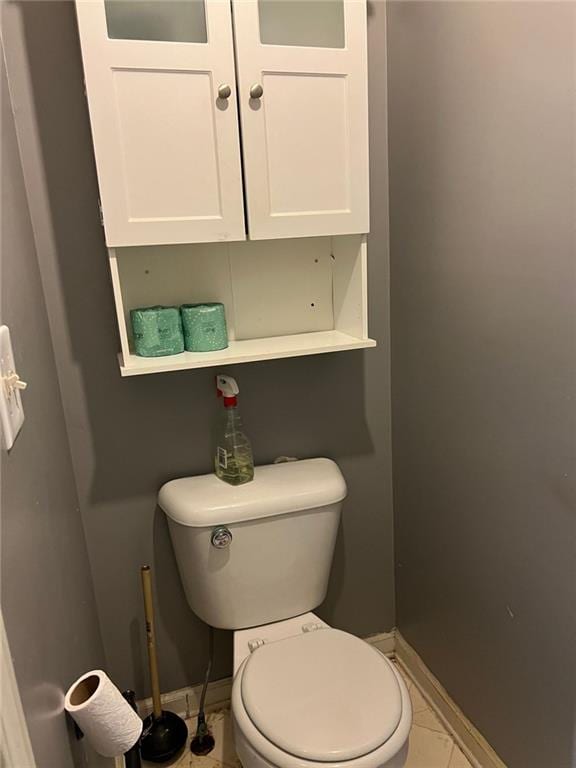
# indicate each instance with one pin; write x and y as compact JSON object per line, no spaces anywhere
{"x":247,"y":351}
{"x":283,"y":298}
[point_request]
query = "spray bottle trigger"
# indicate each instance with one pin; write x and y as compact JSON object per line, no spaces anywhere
{"x":226,"y":386}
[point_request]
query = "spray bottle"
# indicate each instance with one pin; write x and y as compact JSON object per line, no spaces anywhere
{"x":233,"y":461}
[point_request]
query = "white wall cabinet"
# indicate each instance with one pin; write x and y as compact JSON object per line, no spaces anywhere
{"x":202,"y":107}
{"x":164,"y":79}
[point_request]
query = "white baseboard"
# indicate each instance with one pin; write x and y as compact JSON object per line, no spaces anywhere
{"x":186,"y":701}
{"x":385,"y":642}
{"x":467,"y":736}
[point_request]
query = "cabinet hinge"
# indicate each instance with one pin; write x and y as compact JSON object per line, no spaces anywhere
{"x":100,"y":213}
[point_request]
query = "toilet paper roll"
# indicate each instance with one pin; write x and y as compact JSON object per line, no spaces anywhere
{"x":157,"y":331}
{"x":103,"y":714}
{"x":204,"y":327}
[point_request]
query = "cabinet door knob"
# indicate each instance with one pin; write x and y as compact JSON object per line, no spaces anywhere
{"x":224,"y":91}
{"x":256,"y":91}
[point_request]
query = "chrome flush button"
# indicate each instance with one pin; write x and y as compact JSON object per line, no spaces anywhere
{"x":221,"y":537}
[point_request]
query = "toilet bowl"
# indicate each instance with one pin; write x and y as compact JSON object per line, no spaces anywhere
{"x":256,"y":559}
{"x":309,"y":696}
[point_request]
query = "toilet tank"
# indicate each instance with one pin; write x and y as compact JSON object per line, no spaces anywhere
{"x":260,"y":552}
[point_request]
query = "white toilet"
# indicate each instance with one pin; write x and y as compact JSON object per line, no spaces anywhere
{"x":256,"y":559}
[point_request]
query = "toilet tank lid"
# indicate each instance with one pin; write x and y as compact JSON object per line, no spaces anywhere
{"x":277,"y":489}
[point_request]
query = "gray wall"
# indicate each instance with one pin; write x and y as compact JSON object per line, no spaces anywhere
{"x":47,"y":596}
{"x":130,"y":436}
{"x":482,"y":188}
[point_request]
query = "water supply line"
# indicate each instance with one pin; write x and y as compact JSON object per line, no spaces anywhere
{"x":203,"y":741}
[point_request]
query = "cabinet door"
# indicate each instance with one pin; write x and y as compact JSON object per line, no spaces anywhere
{"x":304,"y":109}
{"x":166,"y":143}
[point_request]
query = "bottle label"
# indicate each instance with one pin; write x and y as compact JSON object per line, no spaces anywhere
{"x":222,"y":456}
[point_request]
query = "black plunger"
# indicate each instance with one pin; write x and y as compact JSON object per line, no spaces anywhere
{"x":165,"y":733}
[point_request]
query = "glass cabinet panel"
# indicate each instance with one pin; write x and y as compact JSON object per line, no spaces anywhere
{"x":310,"y":23}
{"x":178,"y":21}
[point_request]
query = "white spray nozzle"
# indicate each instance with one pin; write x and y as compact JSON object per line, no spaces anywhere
{"x":227,"y":385}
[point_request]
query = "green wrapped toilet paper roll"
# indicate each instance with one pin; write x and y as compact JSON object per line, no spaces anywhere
{"x":157,"y":331}
{"x":204,"y":327}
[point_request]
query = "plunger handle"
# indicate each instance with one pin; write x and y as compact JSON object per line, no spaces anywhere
{"x":151,"y":639}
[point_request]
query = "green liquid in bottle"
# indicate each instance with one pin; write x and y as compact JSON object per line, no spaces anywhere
{"x":239,"y":470}
{"x":234,"y":463}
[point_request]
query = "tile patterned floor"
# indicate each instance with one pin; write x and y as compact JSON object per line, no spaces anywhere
{"x":430,"y":745}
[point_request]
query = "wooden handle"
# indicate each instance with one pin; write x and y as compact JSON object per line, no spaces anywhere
{"x":151,"y":638}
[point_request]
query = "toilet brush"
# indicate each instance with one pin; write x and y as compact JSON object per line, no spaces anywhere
{"x":165,"y":733}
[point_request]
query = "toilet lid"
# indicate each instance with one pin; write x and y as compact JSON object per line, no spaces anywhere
{"x":323,"y":695}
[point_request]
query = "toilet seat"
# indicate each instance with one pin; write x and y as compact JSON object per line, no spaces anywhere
{"x":296,"y":702}
{"x":303,"y":695}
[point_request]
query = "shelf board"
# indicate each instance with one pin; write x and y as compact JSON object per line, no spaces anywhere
{"x":247,"y":351}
